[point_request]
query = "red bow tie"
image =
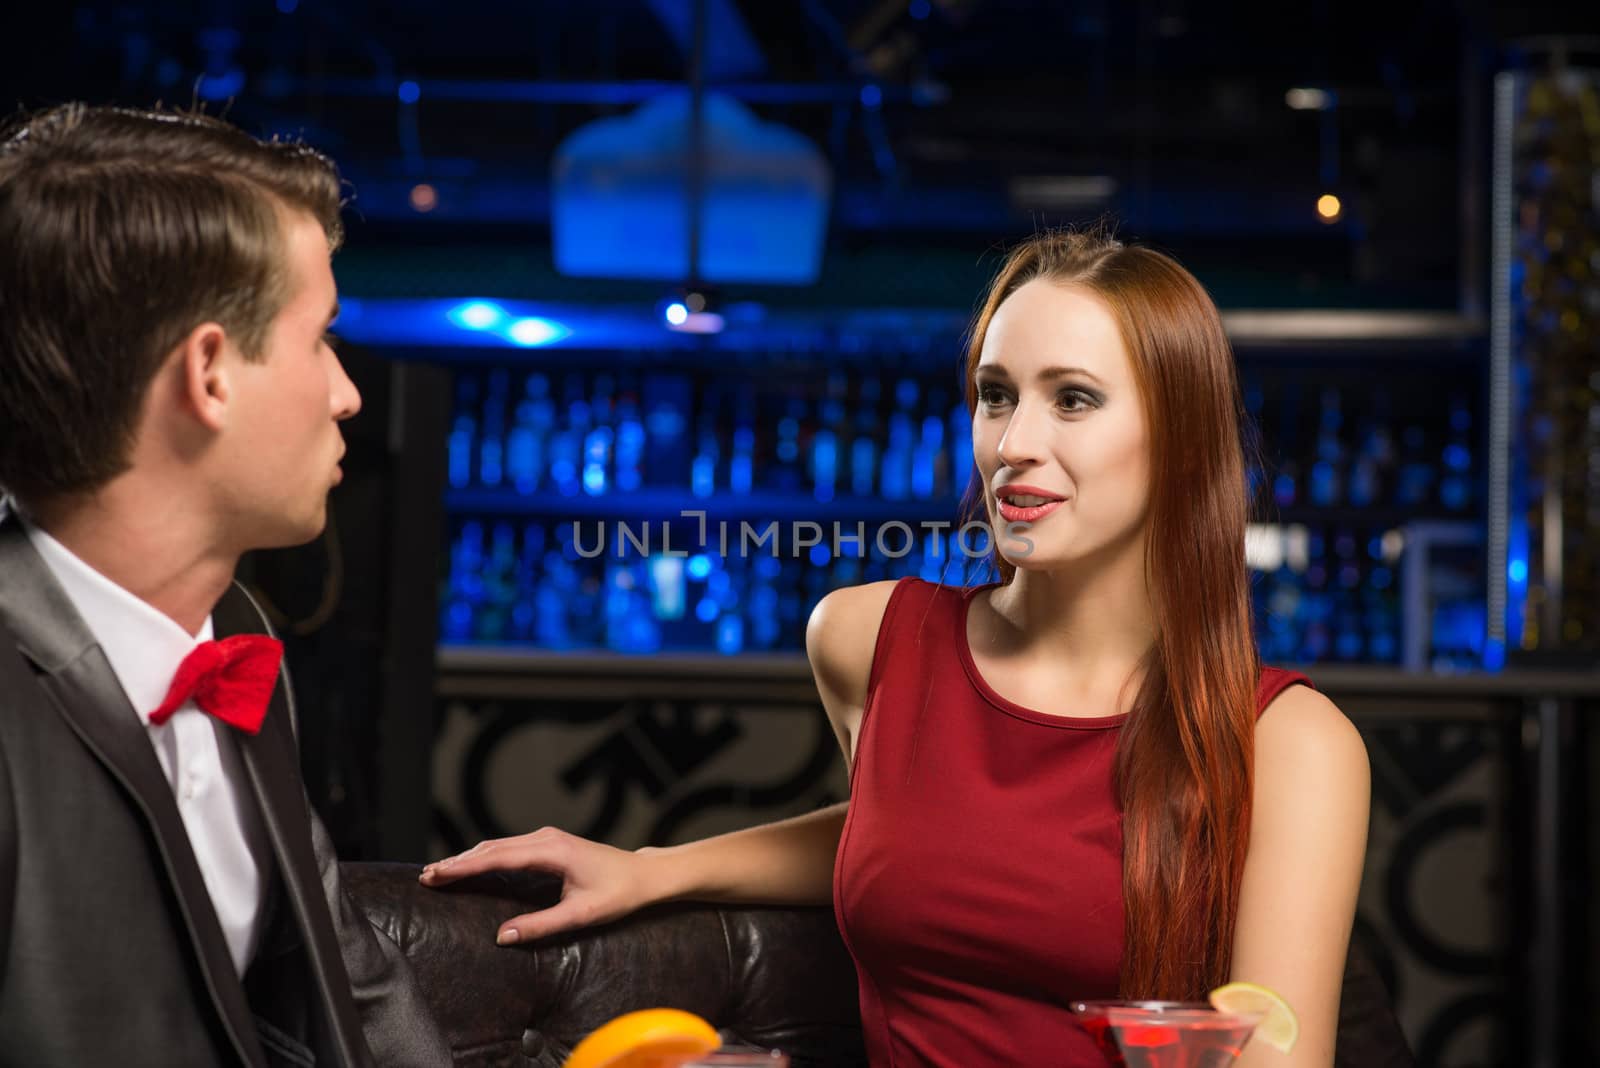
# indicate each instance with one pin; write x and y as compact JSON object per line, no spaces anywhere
{"x":232,"y":679}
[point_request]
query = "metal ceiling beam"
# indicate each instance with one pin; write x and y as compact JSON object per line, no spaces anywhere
{"x":730,"y":49}
{"x":581,"y":92}
{"x":480,"y":194}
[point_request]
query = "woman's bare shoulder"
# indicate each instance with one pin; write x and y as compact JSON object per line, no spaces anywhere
{"x":1302,"y":730}
{"x":841,"y":637}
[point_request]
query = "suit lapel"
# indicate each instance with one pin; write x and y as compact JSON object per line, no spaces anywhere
{"x":272,"y":763}
{"x":81,"y":687}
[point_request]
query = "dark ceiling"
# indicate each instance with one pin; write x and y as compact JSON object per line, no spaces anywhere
{"x":940,"y":118}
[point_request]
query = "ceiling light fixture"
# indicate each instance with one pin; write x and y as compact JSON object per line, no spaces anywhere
{"x":1304,"y":99}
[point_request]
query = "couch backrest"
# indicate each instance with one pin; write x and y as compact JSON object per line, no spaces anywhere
{"x":772,"y":977}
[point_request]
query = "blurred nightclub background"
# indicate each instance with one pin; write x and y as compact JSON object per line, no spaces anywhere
{"x":612,"y":262}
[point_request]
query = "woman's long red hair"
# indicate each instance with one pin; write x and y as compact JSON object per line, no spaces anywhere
{"x":1184,"y":763}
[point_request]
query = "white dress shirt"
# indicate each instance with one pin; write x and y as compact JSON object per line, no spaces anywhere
{"x":208,"y":781}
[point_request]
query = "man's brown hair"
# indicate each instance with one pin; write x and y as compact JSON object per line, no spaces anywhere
{"x":121,"y":231}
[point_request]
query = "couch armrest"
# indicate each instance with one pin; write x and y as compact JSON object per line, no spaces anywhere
{"x":777,"y":977}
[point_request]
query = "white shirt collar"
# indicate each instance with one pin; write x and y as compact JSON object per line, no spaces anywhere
{"x":144,"y":646}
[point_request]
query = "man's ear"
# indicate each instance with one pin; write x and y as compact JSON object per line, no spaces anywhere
{"x":206,"y":387}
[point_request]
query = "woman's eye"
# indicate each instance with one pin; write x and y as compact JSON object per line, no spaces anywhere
{"x":1073,"y":400}
{"x":331,"y":340}
{"x":990,"y":396}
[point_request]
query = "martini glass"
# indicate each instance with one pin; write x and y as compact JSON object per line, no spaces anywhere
{"x":741,"y":1056}
{"x":1165,"y":1034}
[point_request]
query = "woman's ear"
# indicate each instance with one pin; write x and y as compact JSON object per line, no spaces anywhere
{"x":206,"y":387}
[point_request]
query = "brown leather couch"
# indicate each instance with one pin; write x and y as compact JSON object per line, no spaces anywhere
{"x":772,"y":977}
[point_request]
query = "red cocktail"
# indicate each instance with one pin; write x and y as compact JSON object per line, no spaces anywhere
{"x":1165,"y":1034}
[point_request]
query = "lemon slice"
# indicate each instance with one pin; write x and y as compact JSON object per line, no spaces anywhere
{"x":649,"y":1038}
{"x":1279,"y":1027}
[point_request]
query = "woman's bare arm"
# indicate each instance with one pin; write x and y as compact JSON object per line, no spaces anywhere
{"x":787,"y":862}
{"x":1308,"y":839}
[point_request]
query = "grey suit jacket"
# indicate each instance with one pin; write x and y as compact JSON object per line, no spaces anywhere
{"x":110,"y":948}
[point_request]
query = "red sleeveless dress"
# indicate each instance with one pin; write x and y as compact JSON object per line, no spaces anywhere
{"x":979,"y":877}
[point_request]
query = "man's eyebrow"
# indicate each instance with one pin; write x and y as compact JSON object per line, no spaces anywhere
{"x":990,"y":370}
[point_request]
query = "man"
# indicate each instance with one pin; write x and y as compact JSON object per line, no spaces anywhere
{"x":168,"y":401}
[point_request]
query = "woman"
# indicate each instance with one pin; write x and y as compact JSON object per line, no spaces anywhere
{"x":1078,"y":782}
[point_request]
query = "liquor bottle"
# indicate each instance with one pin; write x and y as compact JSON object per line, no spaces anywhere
{"x":815,"y":582}
{"x":566,"y":444}
{"x":1455,"y":484}
{"x":1416,"y":481}
{"x":793,"y":610}
{"x":703,"y":595}
{"x":1285,"y":619}
{"x":1381,"y":608}
{"x":1327,"y":473}
{"x":928,"y":462}
{"x":895,"y":477}
{"x":464,"y":588}
{"x":824,"y":463}
{"x":668,"y":587}
{"x":763,"y":628}
{"x":846,"y":571}
{"x":1255,"y":399}
{"x":1347,"y":631}
{"x":725,"y":587}
{"x":667,"y":403}
{"x":864,"y":446}
{"x":602,"y":403}
{"x":742,"y":465}
{"x":528,"y":442}
{"x":828,"y":463}
{"x":730,"y":633}
{"x":1365,"y":487}
{"x":1287,"y":490}
{"x":463,"y":432}
{"x":586,"y":604}
{"x":530,"y":558}
{"x":787,"y":476}
{"x":1316,"y":602}
{"x":630,"y":624}
{"x":737,"y":433}
{"x":493,"y":622}
{"x":598,"y":442}
{"x":703,"y":469}
{"x":550,"y":602}
{"x":961,"y":461}
{"x":492,"y":444}
{"x":1378,"y":453}
{"x":630,"y":444}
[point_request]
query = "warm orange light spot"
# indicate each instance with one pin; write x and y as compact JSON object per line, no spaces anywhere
{"x":424,"y":197}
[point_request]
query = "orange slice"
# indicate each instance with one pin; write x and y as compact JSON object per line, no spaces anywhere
{"x":649,"y":1038}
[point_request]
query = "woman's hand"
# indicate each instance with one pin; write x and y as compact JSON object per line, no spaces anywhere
{"x":599,"y":882}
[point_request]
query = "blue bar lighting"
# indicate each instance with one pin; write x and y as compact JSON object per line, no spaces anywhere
{"x":533,"y":331}
{"x":477,"y":322}
{"x":477,"y":315}
{"x":473,"y":322}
